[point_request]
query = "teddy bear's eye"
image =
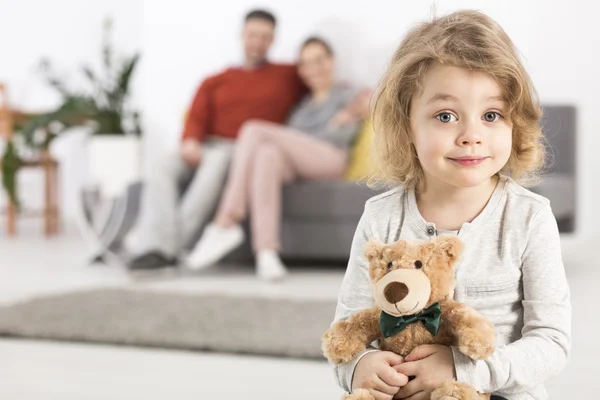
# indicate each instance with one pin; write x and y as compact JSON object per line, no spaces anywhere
{"x":418,"y":264}
{"x":390,"y":266}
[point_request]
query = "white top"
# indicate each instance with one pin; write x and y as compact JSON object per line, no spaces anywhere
{"x":511,"y":272}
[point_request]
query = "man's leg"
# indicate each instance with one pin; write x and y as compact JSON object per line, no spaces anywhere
{"x":156,"y":244}
{"x":202,"y":195}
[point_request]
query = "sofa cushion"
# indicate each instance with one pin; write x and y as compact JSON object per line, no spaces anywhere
{"x":360,"y":165}
{"x":319,"y":240}
{"x":316,"y":200}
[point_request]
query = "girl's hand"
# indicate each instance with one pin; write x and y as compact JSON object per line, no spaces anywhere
{"x":431,"y":365}
{"x":375,"y":372}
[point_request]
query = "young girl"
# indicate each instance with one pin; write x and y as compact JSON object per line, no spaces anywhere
{"x":457,"y":126}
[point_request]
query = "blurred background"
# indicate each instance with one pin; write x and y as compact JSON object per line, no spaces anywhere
{"x":75,"y":323}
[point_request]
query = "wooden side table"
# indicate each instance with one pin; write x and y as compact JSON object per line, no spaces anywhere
{"x":50,"y":211}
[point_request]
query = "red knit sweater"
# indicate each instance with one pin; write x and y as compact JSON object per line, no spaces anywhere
{"x":226,"y":100}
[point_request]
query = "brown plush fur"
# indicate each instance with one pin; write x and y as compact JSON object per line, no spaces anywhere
{"x":460,"y":325}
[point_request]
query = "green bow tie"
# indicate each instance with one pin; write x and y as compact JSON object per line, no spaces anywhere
{"x":430,"y":316}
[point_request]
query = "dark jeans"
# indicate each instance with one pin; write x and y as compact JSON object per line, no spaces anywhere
{"x":498,"y":398}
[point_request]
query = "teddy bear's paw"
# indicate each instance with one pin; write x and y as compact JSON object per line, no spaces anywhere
{"x":477,"y":344}
{"x":445,"y":392}
{"x":339,"y":348}
{"x":452,"y":390}
{"x":359,"y":394}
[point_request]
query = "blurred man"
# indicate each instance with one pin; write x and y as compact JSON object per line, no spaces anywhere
{"x":257,"y":89}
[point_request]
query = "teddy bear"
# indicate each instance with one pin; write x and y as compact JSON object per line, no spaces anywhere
{"x":413,"y":288}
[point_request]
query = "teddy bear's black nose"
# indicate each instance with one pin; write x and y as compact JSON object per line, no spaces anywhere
{"x":395,"y":292}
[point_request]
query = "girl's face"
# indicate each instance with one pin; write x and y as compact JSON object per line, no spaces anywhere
{"x":458,"y":127}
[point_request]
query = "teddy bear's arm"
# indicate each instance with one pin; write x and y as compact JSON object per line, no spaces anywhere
{"x":474,"y":334}
{"x":348,"y":338}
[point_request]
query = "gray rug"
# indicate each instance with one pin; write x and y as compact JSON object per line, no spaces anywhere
{"x":250,"y":325}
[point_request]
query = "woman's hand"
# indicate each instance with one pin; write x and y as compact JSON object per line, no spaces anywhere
{"x":343,"y":117}
{"x":360,"y":105}
{"x":431,"y":365}
{"x":356,"y":110}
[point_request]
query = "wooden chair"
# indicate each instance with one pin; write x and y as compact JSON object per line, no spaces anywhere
{"x":50,"y":212}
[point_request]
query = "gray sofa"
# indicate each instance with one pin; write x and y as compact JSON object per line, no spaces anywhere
{"x":319,"y":218}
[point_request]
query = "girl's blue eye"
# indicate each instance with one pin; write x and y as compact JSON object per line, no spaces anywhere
{"x":491,"y":116}
{"x":446,"y":117}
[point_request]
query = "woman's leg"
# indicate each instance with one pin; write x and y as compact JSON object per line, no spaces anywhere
{"x":286,"y":155}
{"x":299,"y":155}
{"x":225,"y":233}
{"x":270,"y":171}
{"x":234,"y":202}
{"x":278,"y":160}
{"x":310,"y":158}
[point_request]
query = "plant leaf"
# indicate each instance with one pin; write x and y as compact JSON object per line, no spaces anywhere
{"x":106,"y":46}
{"x":87,"y":71}
{"x":124,"y":77}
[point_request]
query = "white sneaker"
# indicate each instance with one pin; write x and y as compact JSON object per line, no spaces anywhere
{"x":215,"y":243}
{"x":269,"y":266}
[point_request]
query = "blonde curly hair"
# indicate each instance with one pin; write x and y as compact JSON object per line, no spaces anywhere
{"x":467,"y":39}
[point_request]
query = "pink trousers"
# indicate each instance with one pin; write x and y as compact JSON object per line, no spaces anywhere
{"x":266,"y":156}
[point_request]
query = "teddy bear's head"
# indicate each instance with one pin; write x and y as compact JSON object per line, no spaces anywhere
{"x":409,"y":276}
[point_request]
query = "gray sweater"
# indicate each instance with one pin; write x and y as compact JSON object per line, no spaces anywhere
{"x":314,"y":118}
{"x":511,"y":272}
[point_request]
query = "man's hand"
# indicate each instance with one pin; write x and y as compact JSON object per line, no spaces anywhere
{"x":191,"y":152}
{"x":375,"y":373}
{"x":431,"y":365}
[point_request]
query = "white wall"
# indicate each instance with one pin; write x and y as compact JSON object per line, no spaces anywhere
{"x":68,"y":32}
{"x":183,"y":41}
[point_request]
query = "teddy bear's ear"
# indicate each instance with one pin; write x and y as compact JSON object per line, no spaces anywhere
{"x":450,"y":245}
{"x":374,"y":250}
{"x":400,"y":245}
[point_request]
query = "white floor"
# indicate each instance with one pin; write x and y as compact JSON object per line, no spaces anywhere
{"x":32,"y":265}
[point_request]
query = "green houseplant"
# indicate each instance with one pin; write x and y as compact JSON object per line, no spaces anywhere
{"x":103,"y":103}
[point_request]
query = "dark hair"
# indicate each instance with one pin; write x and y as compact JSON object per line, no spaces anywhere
{"x":261,"y":14}
{"x":318,"y":40}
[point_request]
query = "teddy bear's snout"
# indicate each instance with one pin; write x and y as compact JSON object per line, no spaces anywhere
{"x":395,"y":292}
